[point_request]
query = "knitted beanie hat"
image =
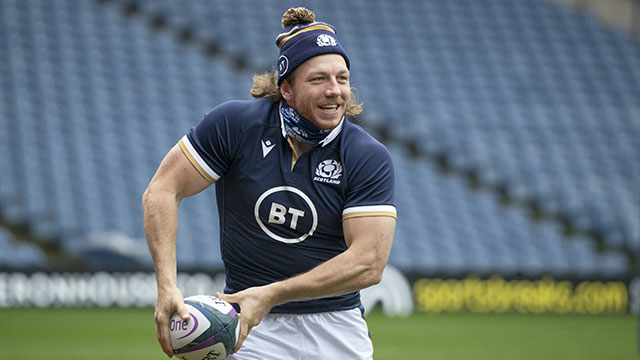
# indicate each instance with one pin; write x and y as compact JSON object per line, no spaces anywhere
{"x":302,"y":39}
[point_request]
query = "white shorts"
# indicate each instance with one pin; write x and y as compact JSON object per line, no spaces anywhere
{"x":328,"y":335}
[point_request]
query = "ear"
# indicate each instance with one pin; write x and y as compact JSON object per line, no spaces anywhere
{"x":286,"y":90}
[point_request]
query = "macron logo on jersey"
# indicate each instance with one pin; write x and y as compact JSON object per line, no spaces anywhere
{"x":329,"y":172}
{"x":267,"y":146}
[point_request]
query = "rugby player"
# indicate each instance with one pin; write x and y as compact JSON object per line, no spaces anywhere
{"x":305,"y":198}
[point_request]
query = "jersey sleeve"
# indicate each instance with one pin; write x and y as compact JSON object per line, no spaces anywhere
{"x":209,"y":144}
{"x":371,"y":189}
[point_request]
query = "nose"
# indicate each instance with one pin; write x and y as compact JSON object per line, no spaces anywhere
{"x":333,"y":88}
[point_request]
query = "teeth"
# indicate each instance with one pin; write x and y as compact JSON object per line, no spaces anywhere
{"x":329,"y":107}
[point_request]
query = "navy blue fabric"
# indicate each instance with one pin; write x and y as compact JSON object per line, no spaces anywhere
{"x":298,"y":127}
{"x":305,"y":44}
{"x":277,"y":221}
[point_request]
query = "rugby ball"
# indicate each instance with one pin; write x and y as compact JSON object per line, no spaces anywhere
{"x":210,"y":333}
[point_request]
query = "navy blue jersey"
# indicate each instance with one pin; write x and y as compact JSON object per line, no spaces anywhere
{"x":281,"y":215}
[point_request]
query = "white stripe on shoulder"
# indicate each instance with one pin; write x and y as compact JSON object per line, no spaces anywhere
{"x":199,"y":162}
{"x":388,"y":210}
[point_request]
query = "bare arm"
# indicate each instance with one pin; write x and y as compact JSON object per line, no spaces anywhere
{"x":175,"y":179}
{"x":360,"y":266}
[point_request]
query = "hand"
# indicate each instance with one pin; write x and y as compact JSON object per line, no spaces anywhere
{"x":169,"y":302}
{"x":254,"y":304}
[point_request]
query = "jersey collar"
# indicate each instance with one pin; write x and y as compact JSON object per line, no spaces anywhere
{"x":329,"y":138}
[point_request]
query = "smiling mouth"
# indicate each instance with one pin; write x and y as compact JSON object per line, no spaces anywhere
{"x":329,"y":108}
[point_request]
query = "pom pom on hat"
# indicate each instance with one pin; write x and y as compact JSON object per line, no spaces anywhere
{"x":297,"y":16}
{"x":303,"y":38}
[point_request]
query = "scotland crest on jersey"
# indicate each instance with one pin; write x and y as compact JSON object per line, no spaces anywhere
{"x":329,"y":171}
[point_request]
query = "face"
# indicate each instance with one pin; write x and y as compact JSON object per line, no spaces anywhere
{"x":319,"y":90}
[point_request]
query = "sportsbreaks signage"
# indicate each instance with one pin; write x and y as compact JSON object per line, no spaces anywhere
{"x":395,"y":294}
{"x":539,"y":296}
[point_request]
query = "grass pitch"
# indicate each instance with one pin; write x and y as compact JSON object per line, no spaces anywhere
{"x":130,"y":334}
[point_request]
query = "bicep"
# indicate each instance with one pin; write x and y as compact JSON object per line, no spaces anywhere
{"x":176,"y":174}
{"x":370,"y":235}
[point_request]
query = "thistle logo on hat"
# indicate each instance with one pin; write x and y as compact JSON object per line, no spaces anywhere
{"x":326,"y":40}
{"x":304,"y":38}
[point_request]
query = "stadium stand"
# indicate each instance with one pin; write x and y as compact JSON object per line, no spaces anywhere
{"x":92,"y":100}
{"x":462,"y":229}
{"x":22,"y":256}
{"x":537,"y":102}
{"x":531,"y":97}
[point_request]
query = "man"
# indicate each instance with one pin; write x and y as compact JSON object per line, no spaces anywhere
{"x":305,"y":199}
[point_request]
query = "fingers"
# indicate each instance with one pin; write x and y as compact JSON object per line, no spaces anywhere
{"x":162,"y":333}
{"x":162,"y":329}
{"x":166,"y":306}
{"x":252,"y":308}
{"x":226,"y":297}
{"x":183,"y":311}
{"x":244,"y":327}
{"x":244,"y":332}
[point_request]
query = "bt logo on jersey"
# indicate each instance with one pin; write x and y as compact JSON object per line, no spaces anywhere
{"x":278,"y":214}
{"x":286,"y":214}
